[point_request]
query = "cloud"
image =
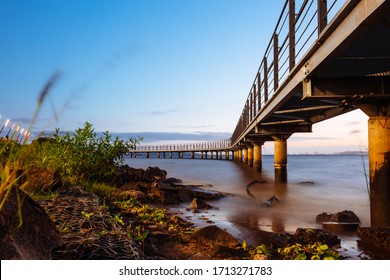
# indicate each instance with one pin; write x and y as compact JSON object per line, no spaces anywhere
{"x":354,"y":123}
{"x":355,"y":131}
{"x":311,"y":138}
{"x":160,"y":112}
{"x":21,"y":120}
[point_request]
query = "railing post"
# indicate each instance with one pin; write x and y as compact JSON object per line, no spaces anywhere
{"x":291,"y":34}
{"x":322,"y":18}
{"x":276,"y":61}
{"x":259,"y":91}
{"x":265,"y":80}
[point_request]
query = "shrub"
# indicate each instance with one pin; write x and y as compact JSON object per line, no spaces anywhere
{"x":81,"y":156}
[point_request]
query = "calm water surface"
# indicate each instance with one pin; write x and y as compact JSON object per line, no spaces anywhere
{"x":316,"y":184}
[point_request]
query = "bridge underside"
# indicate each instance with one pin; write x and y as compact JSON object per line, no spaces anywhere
{"x":347,"y":68}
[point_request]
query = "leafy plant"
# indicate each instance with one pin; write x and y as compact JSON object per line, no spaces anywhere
{"x":79,"y":157}
{"x":316,"y":251}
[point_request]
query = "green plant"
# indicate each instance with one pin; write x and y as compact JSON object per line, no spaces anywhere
{"x":262,"y":249}
{"x":79,"y":157}
{"x":316,"y":251}
{"x":101,"y":189}
{"x":139,"y":234}
{"x":118,"y":219}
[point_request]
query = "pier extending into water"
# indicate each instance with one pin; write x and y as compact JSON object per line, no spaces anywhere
{"x":319,"y":63}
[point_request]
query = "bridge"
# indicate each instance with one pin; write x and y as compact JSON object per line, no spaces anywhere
{"x":319,"y":63}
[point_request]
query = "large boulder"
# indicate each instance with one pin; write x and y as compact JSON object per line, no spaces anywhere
{"x":154,"y":174}
{"x":126,"y":174}
{"x":345,"y":216}
{"x":164,"y":193}
{"x":26,"y":231}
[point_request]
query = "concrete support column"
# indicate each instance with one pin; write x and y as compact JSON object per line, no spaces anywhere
{"x":164,"y":154}
{"x":192,"y":154}
{"x":170,"y":154}
{"x":257,"y":157}
{"x":240,"y":154}
{"x":147,"y":154}
{"x":158,"y":154}
{"x":379,"y":164}
{"x":250,"y":156}
{"x":280,"y":159}
{"x":211,"y":154}
{"x":245,"y":151}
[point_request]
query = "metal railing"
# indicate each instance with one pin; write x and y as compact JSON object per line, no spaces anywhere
{"x":295,"y":31}
{"x":202,"y":146}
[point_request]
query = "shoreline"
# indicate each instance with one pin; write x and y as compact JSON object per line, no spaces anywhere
{"x":141,"y":219}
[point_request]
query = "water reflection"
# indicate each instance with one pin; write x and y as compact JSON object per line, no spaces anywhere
{"x":316,"y":184}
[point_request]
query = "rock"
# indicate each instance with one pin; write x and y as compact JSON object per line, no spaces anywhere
{"x":261,"y":257}
{"x":173,"y":181}
{"x":126,"y":174}
{"x":163,"y":193}
{"x":154,"y":174}
{"x":42,"y":179}
{"x":30,"y":238}
{"x":306,"y":183}
{"x":309,"y":236}
{"x":345,"y":216}
{"x":304,"y":236}
{"x":270,"y":201}
{"x":125,"y":195}
{"x":129,"y":190}
{"x":224,"y":252}
{"x":197,"y":204}
{"x":216,"y":236}
{"x":130,"y":186}
{"x":380,"y":237}
{"x":324,"y":217}
{"x":198,"y":192}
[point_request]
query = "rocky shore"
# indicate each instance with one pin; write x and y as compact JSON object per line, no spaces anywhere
{"x":126,"y":223}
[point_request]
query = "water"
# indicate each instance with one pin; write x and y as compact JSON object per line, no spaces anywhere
{"x":316,"y":184}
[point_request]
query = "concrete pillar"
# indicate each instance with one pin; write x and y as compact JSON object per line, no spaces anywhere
{"x":192,"y":155}
{"x":170,"y":154}
{"x":257,"y":157}
{"x":240,"y":152}
{"x":280,"y":159}
{"x":158,"y":154}
{"x":245,"y":151}
{"x":147,"y":154}
{"x":164,"y":154}
{"x":250,"y":156}
{"x":379,"y":164}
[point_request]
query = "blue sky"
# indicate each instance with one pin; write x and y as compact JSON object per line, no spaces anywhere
{"x":182,"y":66}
